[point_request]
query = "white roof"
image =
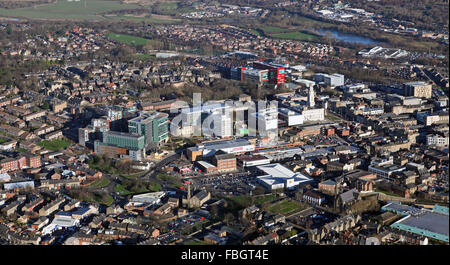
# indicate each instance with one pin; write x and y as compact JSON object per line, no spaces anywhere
{"x":148,"y":197}
{"x":299,"y":67}
{"x":206,"y":164}
{"x":277,"y":170}
{"x":277,"y":173}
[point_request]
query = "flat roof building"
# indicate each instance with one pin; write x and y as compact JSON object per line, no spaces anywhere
{"x":278,"y":177}
{"x":433,"y":224}
{"x":229,"y":147}
{"x":153,"y":126}
{"x":124,"y":140}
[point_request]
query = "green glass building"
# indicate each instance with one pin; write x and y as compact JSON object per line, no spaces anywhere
{"x":124,"y":140}
{"x":153,"y":126}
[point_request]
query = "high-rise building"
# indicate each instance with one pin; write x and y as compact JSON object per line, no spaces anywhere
{"x":311,"y":97}
{"x":153,"y":126}
{"x":226,"y":128}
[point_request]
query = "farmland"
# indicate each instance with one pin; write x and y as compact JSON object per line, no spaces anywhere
{"x":63,"y":9}
{"x":153,"y":18}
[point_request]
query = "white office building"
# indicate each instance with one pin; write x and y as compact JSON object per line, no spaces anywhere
{"x":291,"y":117}
{"x":333,"y":80}
{"x":313,"y":114}
{"x":437,"y":140}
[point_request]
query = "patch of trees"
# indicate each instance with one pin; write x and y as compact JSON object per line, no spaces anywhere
{"x":111,"y":166}
{"x":135,"y":11}
{"x":426,"y":14}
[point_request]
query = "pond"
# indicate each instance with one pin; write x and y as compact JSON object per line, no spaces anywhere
{"x":346,"y":37}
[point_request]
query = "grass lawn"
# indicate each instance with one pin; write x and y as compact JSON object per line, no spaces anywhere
{"x":144,"y":56}
{"x":121,"y":189}
{"x":155,"y":187}
{"x":168,"y":5}
{"x":242,"y":200}
{"x":388,"y":193}
{"x":154,"y":19}
{"x":55,"y":145}
{"x":266,"y":198}
{"x":98,"y":197}
{"x":255,"y":31}
{"x":107,"y":200}
{"x":332,"y":117}
{"x":165,"y":177}
{"x":286,"y":206}
{"x":295,"y":36}
{"x":270,"y":29}
{"x":133,"y":175}
{"x":127,"y":39}
{"x":100,"y":183}
{"x":246,"y":200}
{"x":83,"y":9}
{"x":21,"y":150}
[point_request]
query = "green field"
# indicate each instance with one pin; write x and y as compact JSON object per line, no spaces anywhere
{"x":270,"y":29}
{"x":168,"y":5}
{"x":107,"y":200}
{"x":119,"y":188}
{"x":134,"y":41}
{"x":100,"y":183}
{"x":246,"y":200}
{"x":148,"y":19}
{"x":99,"y":197}
{"x":55,"y":145}
{"x":256,"y":32}
{"x":133,"y":175}
{"x":127,"y":39}
{"x":294,"y":36}
{"x":122,"y":190}
{"x":144,"y":56}
{"x":287,"y":206}
{"x":332,"y":117}
{"x":83,"y":9}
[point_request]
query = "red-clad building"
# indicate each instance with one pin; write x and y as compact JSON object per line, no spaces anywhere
{"x":276,"y":74}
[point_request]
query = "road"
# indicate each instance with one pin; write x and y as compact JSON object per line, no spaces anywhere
{"x":115,"y":179}
{"x":157,"y":167}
